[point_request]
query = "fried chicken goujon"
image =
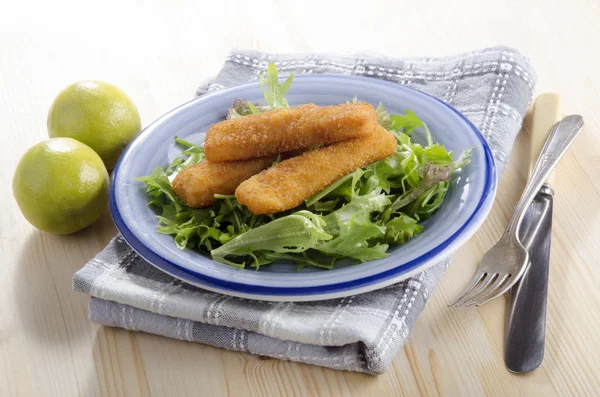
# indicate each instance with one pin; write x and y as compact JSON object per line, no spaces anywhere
{"x":289,"y":183}
{"x":282,"y":130}
{"x":196,"y":185}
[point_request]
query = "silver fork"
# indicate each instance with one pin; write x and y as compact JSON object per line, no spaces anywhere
{"x":503,"y":265}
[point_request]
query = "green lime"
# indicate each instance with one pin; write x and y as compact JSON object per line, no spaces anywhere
{"x":98,"y":114}
{"x":61,"y":186}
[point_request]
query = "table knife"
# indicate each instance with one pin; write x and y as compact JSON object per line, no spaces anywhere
{"x":526,"y":321}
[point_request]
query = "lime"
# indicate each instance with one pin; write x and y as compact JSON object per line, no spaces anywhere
{"x":98,"y":114}
{"x":61,"y":186}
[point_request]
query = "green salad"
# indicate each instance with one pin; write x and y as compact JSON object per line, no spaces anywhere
{"x":357,"y":217}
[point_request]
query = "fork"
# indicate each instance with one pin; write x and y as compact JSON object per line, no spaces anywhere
{"x":503,"y":265}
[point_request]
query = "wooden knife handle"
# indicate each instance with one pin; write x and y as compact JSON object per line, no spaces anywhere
{"x":546,"y":113}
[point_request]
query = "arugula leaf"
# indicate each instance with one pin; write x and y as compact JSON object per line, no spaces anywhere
{"x":157,"y":184}
{"x":384,"y":174}
{"x":434,"y":153}
{"x":191,"y":155}
{"x":463,"y":159}
{"x":332,"y":187}
{"x":426,"y":204}
{"x":411,"y":168}
{"x":383,"y":117}
{"x":406,"y":122}
{"x":272,"y":90}
{"x":253,"y":108}
{"x":273,"y":93}
{"x":434,"y":175}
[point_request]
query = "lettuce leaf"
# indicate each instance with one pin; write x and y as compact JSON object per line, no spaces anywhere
{"x":354,"y":229}
{"x":293,"y":233}
{"x":402,"y":228}
{"x":348,"y":232}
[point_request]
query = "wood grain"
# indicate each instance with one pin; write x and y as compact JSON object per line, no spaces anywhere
{"x":163,"y":51}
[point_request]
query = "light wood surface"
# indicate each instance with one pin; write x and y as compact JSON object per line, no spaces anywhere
{"x":159,"y":52}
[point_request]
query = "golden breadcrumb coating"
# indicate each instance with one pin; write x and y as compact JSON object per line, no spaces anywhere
{"x":282,"y":130}
{"x":196,"y":185}
{"x":290,"y":182}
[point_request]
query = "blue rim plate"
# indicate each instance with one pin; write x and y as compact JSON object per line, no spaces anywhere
{"x":467,"y":203}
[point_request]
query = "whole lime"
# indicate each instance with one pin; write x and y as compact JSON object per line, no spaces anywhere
{"x":98,"y":114}
{"x":61,"y":186}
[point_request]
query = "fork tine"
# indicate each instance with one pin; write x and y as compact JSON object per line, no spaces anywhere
{"x":502,"y":288}
{"x":485,"y":282}
{"x":490,"y":291}
{"x":475,"y":281}
{"x":482,"y":291}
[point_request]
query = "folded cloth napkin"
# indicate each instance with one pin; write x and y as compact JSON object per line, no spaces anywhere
{"x":364,"y":332}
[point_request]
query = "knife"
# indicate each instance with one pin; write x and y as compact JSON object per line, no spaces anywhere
{"x":526,"y":320}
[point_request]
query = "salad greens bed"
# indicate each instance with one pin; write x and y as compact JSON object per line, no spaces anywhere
{"x":356,"y":217}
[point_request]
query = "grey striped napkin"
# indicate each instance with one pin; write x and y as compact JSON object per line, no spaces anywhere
{"x":492,"y":87}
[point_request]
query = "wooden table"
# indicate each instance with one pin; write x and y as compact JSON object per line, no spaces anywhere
{"x":159,"y":54}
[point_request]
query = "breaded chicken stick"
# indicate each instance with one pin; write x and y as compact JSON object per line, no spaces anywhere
{"x":196,"y":185}
{"x":282,"y":130}
{"x":287,"y":184}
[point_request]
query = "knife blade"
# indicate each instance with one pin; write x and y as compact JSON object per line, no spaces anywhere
{"x":526,"y":323}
